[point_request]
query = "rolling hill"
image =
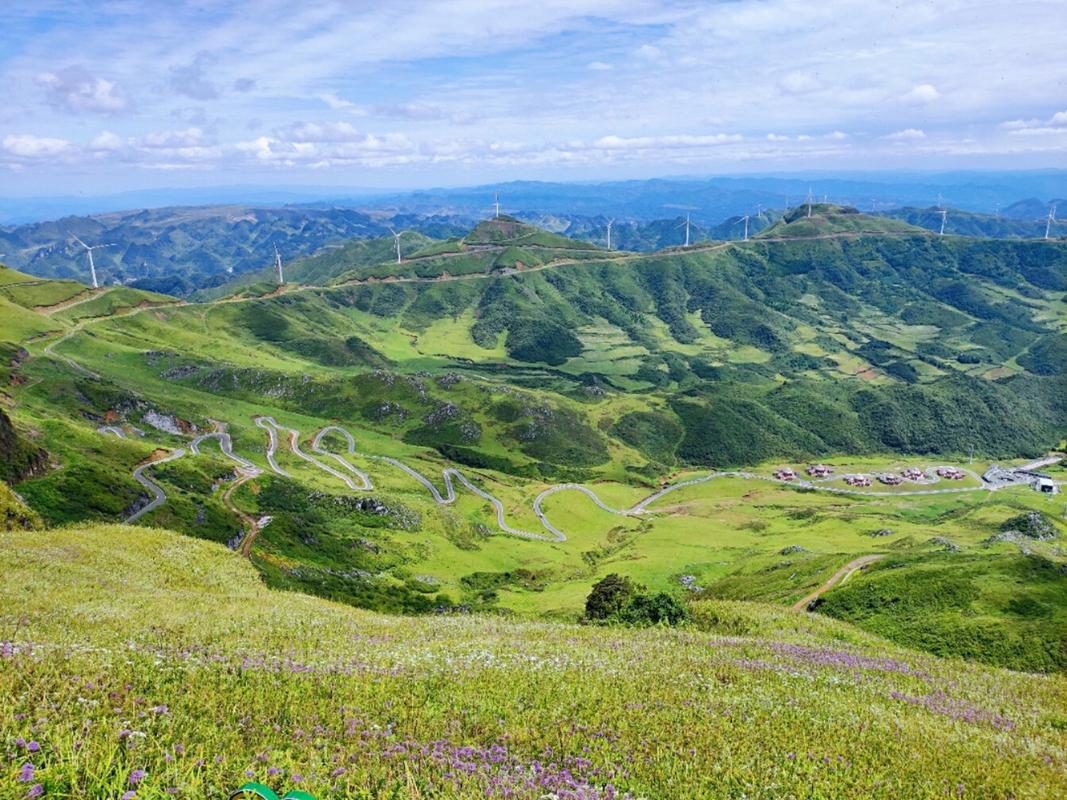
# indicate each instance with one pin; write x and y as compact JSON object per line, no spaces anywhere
{"x":529,"y":414}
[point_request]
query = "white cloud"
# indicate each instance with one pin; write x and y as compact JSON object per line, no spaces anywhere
{"x":664,"y":142}
{"x":190,"y":137}
{"x":906,"y":135}
{"x":1059,"y":119}
{"x":599,"y":66}
{"x":340,"y":104}
{"x":75,"y":90}
{"x":106,"y":141}
{"x":27,"y":145}
{"x":922,"y":94}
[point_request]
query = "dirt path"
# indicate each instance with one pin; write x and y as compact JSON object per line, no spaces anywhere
{"x":77,"y":300}
{"x":838,"y":577}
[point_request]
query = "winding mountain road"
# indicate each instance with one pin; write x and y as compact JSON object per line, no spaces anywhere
{"x":357,"y":480}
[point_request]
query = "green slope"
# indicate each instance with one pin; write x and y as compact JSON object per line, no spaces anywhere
{"x":191,"y":675}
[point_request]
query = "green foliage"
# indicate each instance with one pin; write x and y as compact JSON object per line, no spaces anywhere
{"x":655,"y":435}
{"x":1047,"y":356}
{"x":541,"y":340}
{"x":615,"y":598}
{"x":1003,"y":609}
{"x":609,"y":597}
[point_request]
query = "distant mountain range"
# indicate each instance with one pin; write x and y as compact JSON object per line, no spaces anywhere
{"x":182,"y":249}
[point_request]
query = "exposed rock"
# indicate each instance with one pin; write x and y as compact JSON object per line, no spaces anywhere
{"x":791,"y":549}
{"x":1032,"y":524}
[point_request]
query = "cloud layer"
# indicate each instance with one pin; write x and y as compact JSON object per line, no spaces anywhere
{"x":420,"y":91}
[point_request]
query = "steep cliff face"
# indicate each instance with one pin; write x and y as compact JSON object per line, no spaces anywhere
{"x":18,"y":458}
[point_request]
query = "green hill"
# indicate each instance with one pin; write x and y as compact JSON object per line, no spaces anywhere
{"x":190,"y":676}
{"x":821,"y":219}
{"x":534,"y":367}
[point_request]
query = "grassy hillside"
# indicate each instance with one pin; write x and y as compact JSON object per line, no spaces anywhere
{"x":529,"y":362}
{"x":191,"y":678}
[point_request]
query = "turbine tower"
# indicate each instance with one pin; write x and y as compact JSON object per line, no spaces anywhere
{"x":610,"y":223}
{"x":686,"y":226}
{"x":1051,"y":219}
{"x":278,"y":266}
{"x":746,"y":227}
{"x":944,"y":218}
{"x":809,"y":202}
{"x":89,"y":251}
{"x":496,"y":205}
{"x":396,"y":241}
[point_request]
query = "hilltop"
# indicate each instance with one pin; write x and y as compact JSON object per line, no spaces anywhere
{"x":190,"y":677}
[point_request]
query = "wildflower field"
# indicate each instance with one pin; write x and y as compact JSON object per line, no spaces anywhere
{"x":189,"y":677}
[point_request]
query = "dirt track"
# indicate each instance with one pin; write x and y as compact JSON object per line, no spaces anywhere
{"x":840,"y":576}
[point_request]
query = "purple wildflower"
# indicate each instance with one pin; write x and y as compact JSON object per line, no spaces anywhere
{"x":137,"y":776}
{"x":130,"y":795}
{"x":26,"y":773}
{"x":33,"y":747}
{"x":35,"y":791}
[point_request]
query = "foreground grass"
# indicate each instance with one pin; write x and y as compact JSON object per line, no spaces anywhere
{"x":130,"y":651}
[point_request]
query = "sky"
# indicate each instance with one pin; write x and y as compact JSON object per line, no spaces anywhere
{"x":115,"y":95}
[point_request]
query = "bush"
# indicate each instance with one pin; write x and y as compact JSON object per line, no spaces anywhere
{"x":609,"y":597}
{"x":615,"y":598}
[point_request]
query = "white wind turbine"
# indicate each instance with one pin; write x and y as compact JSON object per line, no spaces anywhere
{"x":1051,"y":219}
{"x":92,"y":264}
{"x":610,"y":223}
{"x":396,"y":241}
{"x":686,"y":226}
{"x":809,"y":202}
{"x":496,"y":205}
{"x":746,"y":227}
{"x":944,"y":218}
{"x":278,"y":266}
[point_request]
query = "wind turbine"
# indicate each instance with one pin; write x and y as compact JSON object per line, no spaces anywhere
{"x":1051,"y":219}
{"x":89,"y":250}
{"x":686,"y":226}
{"x":944,"y":218}
{"x":278,"y":266}
{"x":809,"y":202}
{"x":396,"y":240}
{"x":746,"y":227}
{"x":759,"y":210}
{"x":496,"y":205}
{"x":939,"y":199}
{"x":610,"y":223}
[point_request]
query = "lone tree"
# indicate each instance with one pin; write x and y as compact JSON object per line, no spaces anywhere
{"x":609,"y":597}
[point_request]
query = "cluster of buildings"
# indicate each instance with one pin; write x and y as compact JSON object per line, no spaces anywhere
{"x":820,"y":471}
{"x":858,"y":480}
{"x":951,"y":473}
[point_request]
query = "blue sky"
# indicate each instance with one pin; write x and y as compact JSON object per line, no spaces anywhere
{"x":117,"y":94}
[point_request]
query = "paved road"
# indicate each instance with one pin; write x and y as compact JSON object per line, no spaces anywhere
{"x":451,"y":476}
{"x":159,"y":497}
{"x":840,"y":576}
